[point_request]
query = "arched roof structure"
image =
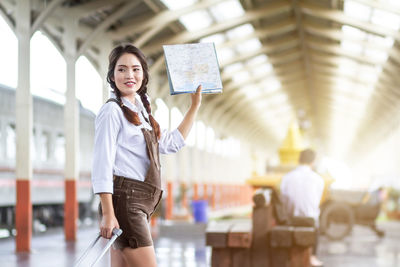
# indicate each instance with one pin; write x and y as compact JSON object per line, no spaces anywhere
{"x":331,"y":64}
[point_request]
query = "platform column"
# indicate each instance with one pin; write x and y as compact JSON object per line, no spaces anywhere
{"x":184,"y":176}
{"x":213,"y":195}
{"x":184,"y":196}
{"x":170,"y":201}
{"x":71,"y":126}
{"x":195,"y":191}
{"x":23,"y":208}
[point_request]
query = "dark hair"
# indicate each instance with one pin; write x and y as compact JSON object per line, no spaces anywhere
{"x":130,"y":115}
{"x":307,"y":156}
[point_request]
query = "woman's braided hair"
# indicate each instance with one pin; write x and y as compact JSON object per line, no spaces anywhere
{"x":130,"y":115}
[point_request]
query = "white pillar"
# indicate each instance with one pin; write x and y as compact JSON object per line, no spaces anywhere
{"x":23,"y":94}
{"x":71,"y":126}
{"x":23,"y":220}
{"x":71,"y":123}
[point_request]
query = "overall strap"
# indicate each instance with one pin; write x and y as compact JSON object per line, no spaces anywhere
{"x":146,"y":119}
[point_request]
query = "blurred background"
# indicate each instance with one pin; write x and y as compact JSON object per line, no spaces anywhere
{"x":296,"y":74}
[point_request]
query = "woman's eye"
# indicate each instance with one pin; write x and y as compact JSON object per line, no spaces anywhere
{"x":136,"y":69}
{"x":121,"y":70}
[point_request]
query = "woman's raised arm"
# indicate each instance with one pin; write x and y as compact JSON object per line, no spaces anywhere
{"x":190,"y":116}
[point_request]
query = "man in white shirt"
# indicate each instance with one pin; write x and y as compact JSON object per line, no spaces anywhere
{"x":301,"y":192}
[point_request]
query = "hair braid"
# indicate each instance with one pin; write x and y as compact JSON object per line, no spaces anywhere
{"x":130,"y":115}
{"x":146,"y":103}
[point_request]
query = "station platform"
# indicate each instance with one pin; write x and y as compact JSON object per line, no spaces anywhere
{"x":182,"y":244}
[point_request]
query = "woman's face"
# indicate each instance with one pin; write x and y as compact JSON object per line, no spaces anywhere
{"x":128,"y":74}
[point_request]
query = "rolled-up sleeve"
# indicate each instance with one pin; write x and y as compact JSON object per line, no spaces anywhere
{"x":107,"y":126}
{"x":171,"y":142}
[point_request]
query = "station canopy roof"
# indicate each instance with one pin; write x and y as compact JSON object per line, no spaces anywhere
{"x":331,"y":65}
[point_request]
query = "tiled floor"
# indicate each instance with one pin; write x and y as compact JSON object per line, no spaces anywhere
{"x":182,"y":245}
{"x":363,"y":248}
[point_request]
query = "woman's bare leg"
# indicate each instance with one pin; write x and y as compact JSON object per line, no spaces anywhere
{"x":117,"y":258}
{"x":140,"y":257}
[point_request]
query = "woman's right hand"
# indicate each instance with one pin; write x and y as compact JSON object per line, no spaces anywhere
{"x":107,"y":224}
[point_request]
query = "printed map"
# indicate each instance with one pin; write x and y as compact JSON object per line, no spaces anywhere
{"x":189,"y":65}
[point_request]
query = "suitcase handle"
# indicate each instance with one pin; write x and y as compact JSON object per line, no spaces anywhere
{"x":115,"y":234}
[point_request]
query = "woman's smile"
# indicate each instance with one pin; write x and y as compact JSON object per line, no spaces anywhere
{"x":130,"y":84}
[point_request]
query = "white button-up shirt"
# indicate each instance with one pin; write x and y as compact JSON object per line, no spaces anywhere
{"x":301,"y":191}
{"x":120,"y":147}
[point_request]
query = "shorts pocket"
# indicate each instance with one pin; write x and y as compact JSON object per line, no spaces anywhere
{"x":138,"y":233}
{"x":140,"y":194}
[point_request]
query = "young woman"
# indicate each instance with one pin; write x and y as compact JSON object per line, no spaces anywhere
{"x":126,"y":165}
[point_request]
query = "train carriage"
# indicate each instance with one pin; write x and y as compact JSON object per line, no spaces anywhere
{"x":48,"y":156}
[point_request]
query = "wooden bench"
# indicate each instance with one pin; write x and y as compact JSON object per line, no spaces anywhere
{"x":230,"y":241}
{"x":259,"y":242}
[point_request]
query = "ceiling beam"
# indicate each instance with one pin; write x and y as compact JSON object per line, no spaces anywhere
{"x":250,"y":15}
{"x":342,"y":18}
{"x":44,"y":14}
{"x":6,"y":12}
{"x":338,"y":35}
{"x":223,"y":102}
{"x":385,"y":80}
{"x":282,"y":28}
{"x":157,"y":21}
{"x":254,"y":80}
{"x":337,"y":50}
{"x":88,"y":8}
{"x":282,"y":45}
{"x":241,"y":104}
{"x":306,"y":61}
{"x":105,"y":24}
{"x":383,"y":5}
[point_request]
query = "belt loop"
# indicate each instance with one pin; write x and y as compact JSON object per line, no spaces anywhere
{"x":118,"y":180}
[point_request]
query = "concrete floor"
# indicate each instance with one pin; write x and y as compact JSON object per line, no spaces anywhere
{"x":182,"y":245}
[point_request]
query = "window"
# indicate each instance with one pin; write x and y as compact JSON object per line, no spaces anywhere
{"x":10,"y":133}
{"x":44,"y":143}
{"x":59,"y":151}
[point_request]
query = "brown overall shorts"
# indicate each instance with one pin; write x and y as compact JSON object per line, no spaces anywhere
{"x":135,"y":201}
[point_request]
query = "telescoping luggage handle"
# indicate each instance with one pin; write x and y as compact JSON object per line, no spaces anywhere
{"x":115,"y":234}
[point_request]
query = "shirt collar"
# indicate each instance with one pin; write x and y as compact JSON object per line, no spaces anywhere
{"x":304,"y":167}
{"x":137,"y":107}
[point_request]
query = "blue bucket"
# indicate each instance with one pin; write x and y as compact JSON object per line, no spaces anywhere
{"x":199,"y":208}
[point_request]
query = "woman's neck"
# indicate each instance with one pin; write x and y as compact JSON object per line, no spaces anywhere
{"x":131,"y":98}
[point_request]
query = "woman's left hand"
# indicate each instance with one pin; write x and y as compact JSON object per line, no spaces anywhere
{"x":196,"y":97}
